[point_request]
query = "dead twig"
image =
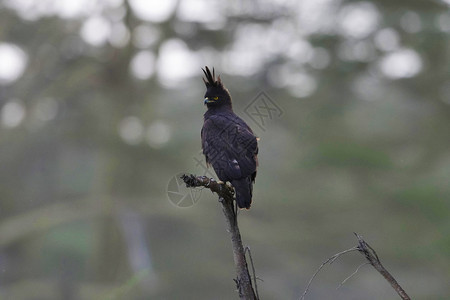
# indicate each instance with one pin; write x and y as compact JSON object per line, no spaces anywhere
{"x":328,"y":261}
{"x":247,"y":249}
{"x":351,"y":275}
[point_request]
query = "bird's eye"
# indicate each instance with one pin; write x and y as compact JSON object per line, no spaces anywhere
{"x":215,"y":98}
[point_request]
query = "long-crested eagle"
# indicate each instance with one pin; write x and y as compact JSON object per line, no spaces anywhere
{"x":228,"y":143}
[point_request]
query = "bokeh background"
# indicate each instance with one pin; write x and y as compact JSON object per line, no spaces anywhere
{"x":101,"y":107}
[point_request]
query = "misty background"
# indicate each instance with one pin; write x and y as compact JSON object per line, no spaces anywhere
{"x":101,"y":106}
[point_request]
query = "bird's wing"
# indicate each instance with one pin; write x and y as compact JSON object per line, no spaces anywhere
{"x":229,"y":147}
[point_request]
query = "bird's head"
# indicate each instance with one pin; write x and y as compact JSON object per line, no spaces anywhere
{"x":216,"y":94}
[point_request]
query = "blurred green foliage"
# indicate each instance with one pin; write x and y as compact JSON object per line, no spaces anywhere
{"x":108,"y":109}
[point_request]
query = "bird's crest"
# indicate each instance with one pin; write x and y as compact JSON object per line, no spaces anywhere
{"x":211,"y":78}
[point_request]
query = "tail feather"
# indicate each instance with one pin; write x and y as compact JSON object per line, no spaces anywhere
{"x":243,"y":188}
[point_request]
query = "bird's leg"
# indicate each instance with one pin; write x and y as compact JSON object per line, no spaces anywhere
{"x":235,"y":211}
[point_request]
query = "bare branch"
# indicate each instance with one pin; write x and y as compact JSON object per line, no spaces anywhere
{"x":223,"y":190}
{"x":226,"y":197}
{"x":373,"y":259}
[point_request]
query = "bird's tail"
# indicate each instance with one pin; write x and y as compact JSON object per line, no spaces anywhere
{"x":243,"y":188}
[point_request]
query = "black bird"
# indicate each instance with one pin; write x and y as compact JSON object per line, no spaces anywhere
{"x":228,"y":143}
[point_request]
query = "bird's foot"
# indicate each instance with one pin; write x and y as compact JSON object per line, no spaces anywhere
{"x":209,"y":181}
{"x":230,"y":187}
